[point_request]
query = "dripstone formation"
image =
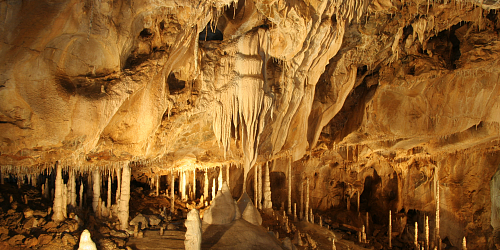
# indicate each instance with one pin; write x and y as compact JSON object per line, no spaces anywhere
{"x":378,"y":120}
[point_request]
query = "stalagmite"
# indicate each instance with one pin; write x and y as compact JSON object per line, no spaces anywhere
{"x":172,"y":195}
{"x":390,"y":230}
{"x":333,"y":244}
{"x":219,"y":179}
{"x":289,"y":186}
{"x":307,"y":199}
{"x":194,"y":184}
{"x":426,"y":232}
{"x":123,"y":207}
{"x":118,"y":184}
{"x":205,"y":186}
{"x":96,"y":187}
{"x":259,"y":186}
{"x":464,"y":244}
{"x":81,"y":195}
{"x":193,"y":232}
{"x":416,"y":235}
{"x":58,"y":215}
{"x":268,"y":204}
{"x":108,"y":207}
{"x":86,"y":242}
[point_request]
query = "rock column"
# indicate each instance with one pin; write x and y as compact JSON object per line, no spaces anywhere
{"x":194,"y":184}
{"x":390,"y":230}
{"x":205,"y":187}
{"x":118,"y":184}
{"x":157,"y":185}
{"x":416,"y":235}
{"x":227,"y":175}
{"x":109,"y":195}
{"x":438,"y":237}
{"x":213,"y":189}
{"x":268,"y":204}
{"x":426,"y":232}
{"x":96,"y":188}
{"x":183,"y":186}
{"x":81,"y":195}
{"x":255,"y":186}
{"x":123,"y":207}
{"x":172,"y":195}
{"x":259,"y":186}
{"x":290,"y":186}
{"x":57,"y":208}
{"x":219,"y":179}
{"x":301,"y":213}
{"x":307,"y":199}
{"x":72,"y":187}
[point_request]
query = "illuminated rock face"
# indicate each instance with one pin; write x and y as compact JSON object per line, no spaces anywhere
{"x":381,"y":98}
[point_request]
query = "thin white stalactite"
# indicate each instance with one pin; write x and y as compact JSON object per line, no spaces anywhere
{"x":307,"y":200}
{"x":172,"y":195}
{"x":389,"y":233}
{"x":118,"y":184}
{"x":205,"y":186}
{"x":194,"y":184}
{"x":219,"y":179}
{"x":289,"y":181}
{"x":108,"y":207}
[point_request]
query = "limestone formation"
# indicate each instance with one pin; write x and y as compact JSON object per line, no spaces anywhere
{"x":193,"y":232}
{"x":223,"y":209}
{"x":57,"y":208}
{"x":86,"y":242}
{"x":248,"y":211}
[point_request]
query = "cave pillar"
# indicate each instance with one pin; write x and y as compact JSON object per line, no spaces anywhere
{"x":290,"y":186}
{"x":426,"y":232}
{"x":259,"y":186}
{"x":255,"y":182}
{"x":108,"y":200}
{"x":389,"y":233}
{"x":157,"y":185}
{"x":357,"y":202}
{"x":213,"y":189}
{"x":57,"y":209}
{"x":205,"y":186}
{"x":72,"y":188}
{"x":172,"y":195}
{"x":438,"y":237}
{"x":118,"y":184}
{"x":307,"y":199}
{"x":96,"y":188}
{"x":268,"y":204}
{"x":65,"y":200}
{"x":219,"y":179}
{"x":301,"y":213}
{"x":184,"y":197}
{"x":416,"y":235}
{"x":194,"y":184}
{"x":123,"y":208}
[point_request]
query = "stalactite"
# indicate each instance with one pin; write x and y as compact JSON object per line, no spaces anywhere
{"x":389,"y":233}
{"x":172,"y":195}
{"x":157,"y":185}
{"x":357,"y":202}
{"x":123,"y":207}
{"x":81,"y":195}
{"x":227,"y":175}
{"x":438,"y":238}
{"x":58,"y":215}
{"x":289,"y":186}
{"x":96,"y":188}
{"x":268,"y":204}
